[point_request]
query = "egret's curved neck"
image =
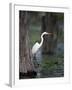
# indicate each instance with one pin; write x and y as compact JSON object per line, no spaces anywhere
{"x":44,"y":33}
{"x":41,"y":40}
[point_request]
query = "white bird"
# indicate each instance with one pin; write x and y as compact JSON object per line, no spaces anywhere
{"x":37,"y":45}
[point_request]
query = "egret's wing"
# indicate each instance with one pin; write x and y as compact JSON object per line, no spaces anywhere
{"x":35,"y":48}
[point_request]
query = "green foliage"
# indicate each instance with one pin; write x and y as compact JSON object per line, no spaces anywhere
{"x":50,"y":64}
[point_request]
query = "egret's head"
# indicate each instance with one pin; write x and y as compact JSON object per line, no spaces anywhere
{"x":46,"y":33}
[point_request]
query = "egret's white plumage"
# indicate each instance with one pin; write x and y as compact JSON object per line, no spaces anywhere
{"x":35,"y":48}
{"x":37,"y":45}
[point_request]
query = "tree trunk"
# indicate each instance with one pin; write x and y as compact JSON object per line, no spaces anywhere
{"x":50,"y":41}
{"x":25,"y":55}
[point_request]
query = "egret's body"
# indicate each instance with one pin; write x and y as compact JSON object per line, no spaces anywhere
{"x":38,"y":45}
{"x":35,"y":47}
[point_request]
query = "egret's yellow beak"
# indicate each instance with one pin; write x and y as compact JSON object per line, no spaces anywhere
{"x":49,"y":33}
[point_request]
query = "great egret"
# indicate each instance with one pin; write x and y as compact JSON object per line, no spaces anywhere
{"x":37,"y":45}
